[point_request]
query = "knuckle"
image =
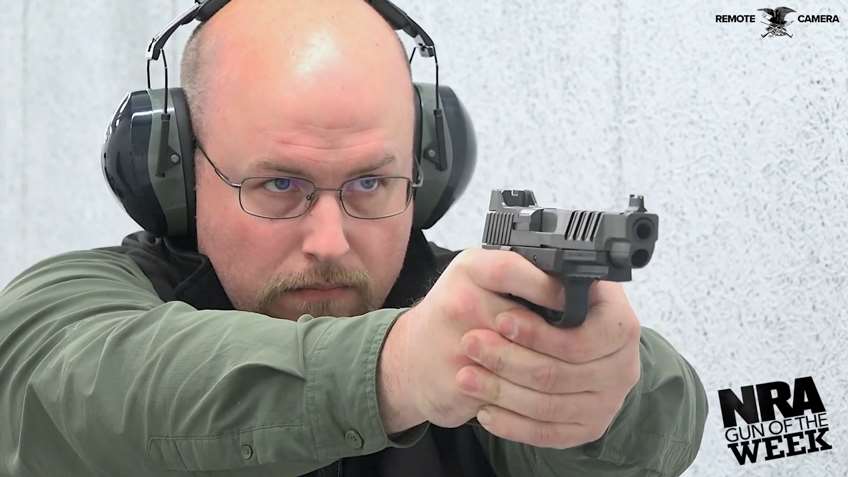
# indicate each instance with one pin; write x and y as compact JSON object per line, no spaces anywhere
{"x":547,"y":409}
{"x":544,"y":436}
{"x":596,"y":432}
{"x":499,"y":270}
{"x":607,"y":409}
{"x":610,"y":408}
{"x":495,"y":391}
{"x":544,"y":378}
{"x":462,"y":262}
{"x":455,"y":308}
{"x":462,"y":302}
{"x":498,"y":361}
{"x":529,"y":334}
{"x":552,"y":436}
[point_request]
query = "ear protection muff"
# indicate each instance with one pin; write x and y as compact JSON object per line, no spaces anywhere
{"x":148,"y":153}
{"x":148,"y":161}
{"x":445,"y":174}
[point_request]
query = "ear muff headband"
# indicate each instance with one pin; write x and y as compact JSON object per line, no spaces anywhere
{"x":148,"y":155}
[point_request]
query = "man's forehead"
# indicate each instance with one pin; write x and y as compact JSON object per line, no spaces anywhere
{"x":320,"y":50}
{"x":327,"y":100}
{"x":314,"y":86}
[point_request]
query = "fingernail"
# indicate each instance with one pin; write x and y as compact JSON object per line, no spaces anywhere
{"x":508,"y":327}
{"x":483,"y":417}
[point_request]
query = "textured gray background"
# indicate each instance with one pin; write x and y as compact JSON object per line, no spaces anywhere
{"x":738,"y":143}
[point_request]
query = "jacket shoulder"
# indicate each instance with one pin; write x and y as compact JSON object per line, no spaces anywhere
{"x":87,"y":267}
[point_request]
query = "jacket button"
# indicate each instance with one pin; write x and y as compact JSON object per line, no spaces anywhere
{"x":354,"y":440}
{"x":246,"y":451}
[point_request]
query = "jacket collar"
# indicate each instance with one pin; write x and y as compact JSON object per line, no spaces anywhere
{"x":179,"y":273}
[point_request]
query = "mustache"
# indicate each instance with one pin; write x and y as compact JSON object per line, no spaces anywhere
{"x":321,"y":276}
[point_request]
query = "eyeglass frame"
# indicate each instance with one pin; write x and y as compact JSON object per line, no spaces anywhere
{"x":411,"y":186}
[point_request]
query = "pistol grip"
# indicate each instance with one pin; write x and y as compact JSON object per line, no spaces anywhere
{"x":576,"y":304}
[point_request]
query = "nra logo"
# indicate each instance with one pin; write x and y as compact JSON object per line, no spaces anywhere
{"x":800,"y":429}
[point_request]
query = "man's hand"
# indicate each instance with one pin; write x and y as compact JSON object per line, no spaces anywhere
{"x":554,"y":387}
{"x":422,"y":353}
{"x":543,"y":386}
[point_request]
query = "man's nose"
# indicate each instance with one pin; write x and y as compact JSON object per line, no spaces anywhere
{"x":325,"y":222}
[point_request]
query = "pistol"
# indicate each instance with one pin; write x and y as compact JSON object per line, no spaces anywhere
{"x":578,"y":246}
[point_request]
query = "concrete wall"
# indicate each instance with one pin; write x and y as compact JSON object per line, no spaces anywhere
{"x":739,"y":144}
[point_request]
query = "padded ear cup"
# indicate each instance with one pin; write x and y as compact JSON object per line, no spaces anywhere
{"x":446,"y":175}
{"x":148,"y":161}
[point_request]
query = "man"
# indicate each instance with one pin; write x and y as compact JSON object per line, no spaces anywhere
{"x":156,"y":359}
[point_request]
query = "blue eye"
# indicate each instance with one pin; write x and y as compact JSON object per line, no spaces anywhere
{"x":368,"y":183}
{"x":280,"y":184}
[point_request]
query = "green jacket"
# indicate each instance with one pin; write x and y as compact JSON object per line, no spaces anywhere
{"x":129,"y":361}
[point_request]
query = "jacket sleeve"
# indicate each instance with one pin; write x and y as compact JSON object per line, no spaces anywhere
{"x":113,"y":381}
{"x":657,"y":432}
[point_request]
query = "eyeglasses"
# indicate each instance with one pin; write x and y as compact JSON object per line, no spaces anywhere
{"x":368,"y":197}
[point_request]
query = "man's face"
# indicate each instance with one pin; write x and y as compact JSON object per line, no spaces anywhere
{"x":324,"y":102}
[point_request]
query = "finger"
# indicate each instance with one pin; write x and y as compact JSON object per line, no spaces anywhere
{"x":518,"y":428}
{"x":506,"y":272}
{"x":610,"y":326}
{"x":481,"y":384}
{"x":543,"y":373}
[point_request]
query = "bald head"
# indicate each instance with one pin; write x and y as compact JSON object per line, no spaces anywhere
{"x":304,"y":36}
